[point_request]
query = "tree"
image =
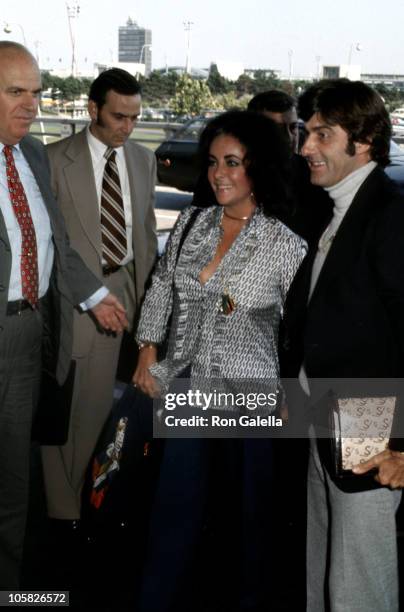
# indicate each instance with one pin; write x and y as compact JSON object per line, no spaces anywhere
{"x":392,"y":96}
{"x":191,"y":96}
{"x":216,"y":82}
{"x":67,"y":88}
{"x":265,"y":80}
{"x":245,"y":85}
{"x":158,"y":88}
{"x":229,"y":101}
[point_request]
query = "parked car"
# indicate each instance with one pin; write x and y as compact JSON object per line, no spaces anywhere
{"x":152,"y":114}
{"x":398,"y":112}
{"x":177,"y":157}
{"x":397,"y":123}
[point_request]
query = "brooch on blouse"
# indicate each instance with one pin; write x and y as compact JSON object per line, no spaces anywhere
{"x":227,"y":304}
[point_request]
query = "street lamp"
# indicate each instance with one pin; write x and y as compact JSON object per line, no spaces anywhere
{"x":187,"y":27}
{"x":141,"y":56}
{"x":357,"y":46}
{"x":141,"y":52}
{"x":290,"y":56}
{"x":8,"y":29}
{"x":36,"y":45}
{"x":318,"y":60}
{"x":73,"y":11}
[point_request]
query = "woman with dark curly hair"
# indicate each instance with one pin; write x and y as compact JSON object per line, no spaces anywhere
{"x":224,"y":285}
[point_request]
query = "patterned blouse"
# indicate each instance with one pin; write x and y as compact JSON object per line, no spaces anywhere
{"x":256,"y":272}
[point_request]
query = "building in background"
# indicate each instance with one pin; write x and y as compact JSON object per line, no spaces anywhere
{"x":390,"y":81}
{"x":347,"y":71}
{"x":135,"y":45}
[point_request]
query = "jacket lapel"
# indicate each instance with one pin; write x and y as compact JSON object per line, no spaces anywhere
{"x":37,"y":164}
{"x":134,"y":176}
{"x":345,"y":244}
{"x":81,"y":184}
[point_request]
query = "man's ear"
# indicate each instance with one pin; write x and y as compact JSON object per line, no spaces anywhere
{"x":92,"y":110}
{"x":362,"y":147}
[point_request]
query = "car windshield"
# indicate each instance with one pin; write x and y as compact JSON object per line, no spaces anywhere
{"x":191,"y":131}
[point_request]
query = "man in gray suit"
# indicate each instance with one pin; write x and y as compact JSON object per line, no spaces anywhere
{"x":82,"y":186}
{"x":41,"y":278}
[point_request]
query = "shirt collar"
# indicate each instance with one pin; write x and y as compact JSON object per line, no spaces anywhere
{"x":15,"y":147}
{"x":98,"y":148}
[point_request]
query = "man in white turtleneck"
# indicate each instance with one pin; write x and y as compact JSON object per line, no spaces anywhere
{"x":344,"y":318}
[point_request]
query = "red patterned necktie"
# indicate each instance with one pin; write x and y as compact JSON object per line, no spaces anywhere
{"x":113,"y":227}
{"x":29,"y":256}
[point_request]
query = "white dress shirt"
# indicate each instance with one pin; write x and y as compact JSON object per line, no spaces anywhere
{"x":43,"y":231}
{"x":40,"y":219}
{"x":97,"y":151}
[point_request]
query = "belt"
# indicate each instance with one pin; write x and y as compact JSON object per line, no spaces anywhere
{"x":107,"y":270}
{"x":16,"y":307}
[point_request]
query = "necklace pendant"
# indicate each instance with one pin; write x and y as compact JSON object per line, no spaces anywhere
{"x":227,"y":305}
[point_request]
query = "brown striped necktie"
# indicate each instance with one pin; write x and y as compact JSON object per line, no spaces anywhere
{"x":113,"y":228}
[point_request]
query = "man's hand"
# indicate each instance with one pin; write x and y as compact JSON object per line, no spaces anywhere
{"x":390,"y":468}
{"x":110,"y":314}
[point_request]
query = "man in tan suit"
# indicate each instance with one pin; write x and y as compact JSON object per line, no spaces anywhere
{"x":119,"y":250}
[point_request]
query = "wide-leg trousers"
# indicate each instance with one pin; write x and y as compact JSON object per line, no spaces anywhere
{"x":242,"y":497}
{"x":351,"y":546}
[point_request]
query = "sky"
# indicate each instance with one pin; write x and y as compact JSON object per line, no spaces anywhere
{"x":288,"y":35}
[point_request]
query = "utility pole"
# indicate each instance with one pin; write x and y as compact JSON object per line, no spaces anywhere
{"x":290,"y":56}
{"x":187,"y":27}
{"x":318,"y":60}
{"x":73,"y":11}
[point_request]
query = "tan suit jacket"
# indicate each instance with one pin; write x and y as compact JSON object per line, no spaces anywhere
{"x":73,"y":184}
{"x":96,"y":353}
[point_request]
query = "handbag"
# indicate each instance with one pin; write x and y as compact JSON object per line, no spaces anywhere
{"x":117,"y":498}
{"x":124,"y":467}
{"x":361,"y":428}
{"x":351,"y":429}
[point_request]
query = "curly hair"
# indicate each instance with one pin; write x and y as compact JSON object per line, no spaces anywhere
{"x":354,"y":106}
{"x":267,"y":157}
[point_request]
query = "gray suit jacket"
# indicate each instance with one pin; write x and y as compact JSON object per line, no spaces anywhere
{"x":71,"y":282}
{"x":74,"y":187}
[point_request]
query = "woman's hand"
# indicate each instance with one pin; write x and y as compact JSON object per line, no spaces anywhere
{"x":142,"y":377}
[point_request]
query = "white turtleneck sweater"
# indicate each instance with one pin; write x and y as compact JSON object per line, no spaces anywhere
{"x":342,"y":194}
